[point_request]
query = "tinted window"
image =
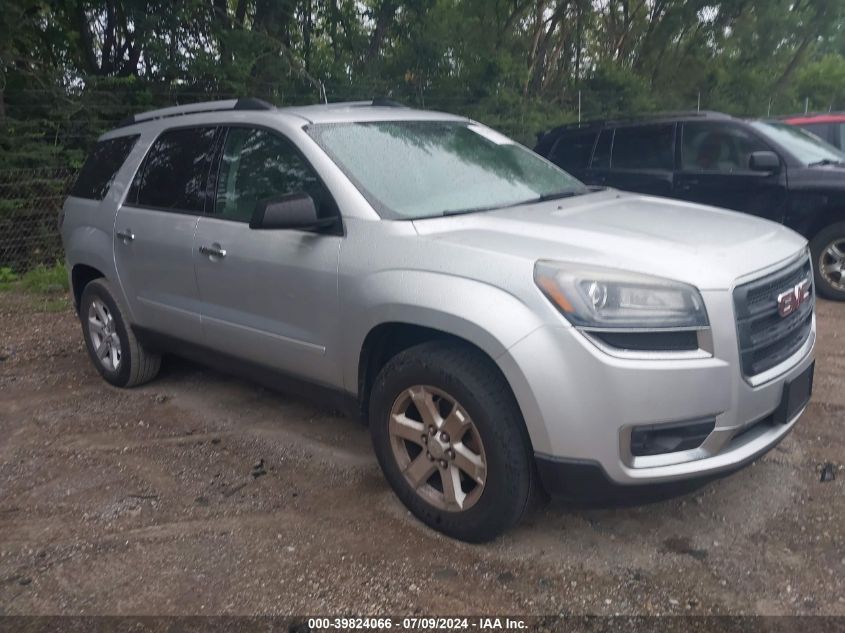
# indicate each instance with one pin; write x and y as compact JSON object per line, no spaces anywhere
{"x":601,"y":157}
{"x":643,"y":147}
{"x":174,"y":173}
{"x":258,"y":165}
{"x":717,"y":147}
{"x":840,"y":135}
{"x":102,"y":165}
{"x":572,"y":151}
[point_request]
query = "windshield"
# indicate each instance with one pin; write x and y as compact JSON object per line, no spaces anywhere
{"x":421,"y":169}
{"x":807,"y":148}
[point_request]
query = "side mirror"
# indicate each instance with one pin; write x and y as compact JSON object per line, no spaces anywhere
{"x":292,"y":211}
{"x":764,"y":161}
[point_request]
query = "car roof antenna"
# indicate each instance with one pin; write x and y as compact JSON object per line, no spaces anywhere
{"x":323,"y":96}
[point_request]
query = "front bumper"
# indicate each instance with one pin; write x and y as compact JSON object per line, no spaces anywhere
{"x":581,"y":403}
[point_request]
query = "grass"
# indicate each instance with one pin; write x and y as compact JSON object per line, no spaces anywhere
{"x":42,"y":280}
{"x":45,"y":286}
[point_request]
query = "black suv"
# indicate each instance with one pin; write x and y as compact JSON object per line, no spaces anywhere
{"x":765,"y":168}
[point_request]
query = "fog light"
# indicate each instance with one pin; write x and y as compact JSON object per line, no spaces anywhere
{"x":657,"y":439}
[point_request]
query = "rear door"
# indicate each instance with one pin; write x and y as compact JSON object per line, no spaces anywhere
{"x":154,"y":232}
{"x":641,"y":158}
{"x":714,"y":170}
{"x":269,"y":296}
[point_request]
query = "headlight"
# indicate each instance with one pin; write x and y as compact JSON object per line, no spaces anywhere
{"x":604,"y":298}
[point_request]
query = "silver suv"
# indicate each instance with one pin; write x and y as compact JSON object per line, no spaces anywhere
{"x":501,"y":325}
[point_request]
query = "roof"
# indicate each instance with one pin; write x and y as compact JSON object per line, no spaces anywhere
{"x":376,"y":110}
{"x":656,"y":117}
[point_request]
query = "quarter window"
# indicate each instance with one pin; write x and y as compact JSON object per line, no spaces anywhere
{"x":258,"y":165}
{"x":717,"y":147}
{"x":644,"y":147}
{"x":102,"y":166}
{"x":174,"y":173}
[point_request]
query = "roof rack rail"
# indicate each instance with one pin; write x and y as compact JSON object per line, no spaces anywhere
{"x":197,"y":108}
{"x":649,"y":116}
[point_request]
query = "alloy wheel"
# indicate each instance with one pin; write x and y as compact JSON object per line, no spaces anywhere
{"x":832,"y":264}
{"x":103,"y":333}
{"x":438,"y":448}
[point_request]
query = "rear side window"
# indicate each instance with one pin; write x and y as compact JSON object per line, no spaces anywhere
{"x":644,"y":147}
{"x":840,"y":136}
{"x":174,"y":173}
{"x":573,"y":151}
{"x":101,"y":166}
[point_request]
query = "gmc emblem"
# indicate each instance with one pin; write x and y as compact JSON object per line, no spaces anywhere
{"x":791,"y":300}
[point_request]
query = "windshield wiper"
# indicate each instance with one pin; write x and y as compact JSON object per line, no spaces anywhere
{"x":557,"y":195}
{"x":826,"y":161}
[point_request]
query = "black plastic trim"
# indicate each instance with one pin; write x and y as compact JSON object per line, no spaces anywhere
{"x":324,"y":395}
{"x":584,"y":481}
{"x":660,"y":439}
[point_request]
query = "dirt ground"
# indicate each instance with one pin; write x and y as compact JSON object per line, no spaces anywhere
{"x":143,"y":502}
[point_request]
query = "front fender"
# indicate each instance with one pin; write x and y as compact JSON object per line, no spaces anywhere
{"x":488,"y":317}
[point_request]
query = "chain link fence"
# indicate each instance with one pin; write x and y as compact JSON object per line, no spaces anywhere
{"x":30,"y":200}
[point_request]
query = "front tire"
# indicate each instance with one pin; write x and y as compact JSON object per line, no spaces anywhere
{"x":828,"y":249}
{"x":451,"y":440}
{"x":112,"y":346}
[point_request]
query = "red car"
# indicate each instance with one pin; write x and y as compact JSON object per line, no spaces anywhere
{"x":829,"y":126}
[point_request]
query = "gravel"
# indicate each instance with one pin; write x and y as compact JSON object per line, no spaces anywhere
{"x":200,"y":493}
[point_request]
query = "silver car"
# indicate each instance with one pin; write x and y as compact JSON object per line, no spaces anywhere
{"x":503,"y":327}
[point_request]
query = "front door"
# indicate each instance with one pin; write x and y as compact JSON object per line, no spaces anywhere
{"x":268,"y":296}
{"x":715,"y":171}
{"x":154,"y":232}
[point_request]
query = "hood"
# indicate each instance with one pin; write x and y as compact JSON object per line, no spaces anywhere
{"x":706,"y":247}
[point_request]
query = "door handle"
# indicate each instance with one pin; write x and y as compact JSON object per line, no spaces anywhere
{"x":215,"y":250}
{"x":126,"y":236}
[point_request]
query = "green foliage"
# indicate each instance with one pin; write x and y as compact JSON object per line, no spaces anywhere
{"x":46,"y":279}
{"x":70,"y":70}
{"x":7,"y":275}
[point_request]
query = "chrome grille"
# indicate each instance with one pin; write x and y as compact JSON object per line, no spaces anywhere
{"x":765,"y":338}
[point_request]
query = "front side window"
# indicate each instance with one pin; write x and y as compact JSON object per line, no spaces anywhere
{"x":101,"y":167}
{"x":420,"y":169}
{"x":174,"y":173}
{"x":644,"y":147}
{"x":718,"y":147}
{"x":258,"y":165}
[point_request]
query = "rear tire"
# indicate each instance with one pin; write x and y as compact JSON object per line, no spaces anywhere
{"x":828,"y":249}
{"x":463,"y":392}
{"x":112,"y":346}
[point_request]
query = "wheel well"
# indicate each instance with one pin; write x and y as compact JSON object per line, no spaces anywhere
{"x":81,"y":275}
{"x":387,"y":340}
